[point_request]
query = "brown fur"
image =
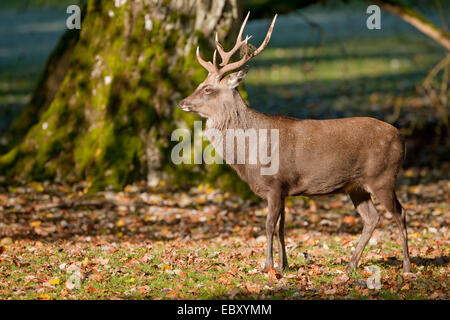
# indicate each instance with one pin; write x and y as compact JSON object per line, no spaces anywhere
{"x":358,"y":156}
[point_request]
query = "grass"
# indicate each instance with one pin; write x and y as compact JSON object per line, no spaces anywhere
{"x":162,"y":246}
{"x":41,"y":271}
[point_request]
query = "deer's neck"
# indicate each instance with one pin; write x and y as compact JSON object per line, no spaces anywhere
{"x":235,"y":114}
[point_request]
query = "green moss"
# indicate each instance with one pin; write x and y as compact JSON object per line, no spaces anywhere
{"x":93,"y":128}
{"x":7,"y":160}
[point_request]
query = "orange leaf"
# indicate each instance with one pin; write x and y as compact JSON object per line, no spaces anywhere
{"x":172,"y":294}
{"x":252,"y":288}
{"x":351,"y":220}
{"x":91,"y":289}
{"x":340,"y":279}
{"x":273,"y":274}
{"x":96,"y":277}
{"x":336,"y":204}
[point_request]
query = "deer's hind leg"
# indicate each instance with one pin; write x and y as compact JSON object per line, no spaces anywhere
{"x":283,"y":263}
{"x":370,"y":217}
{"x":276,"y":207}
{"x":388,"y":199}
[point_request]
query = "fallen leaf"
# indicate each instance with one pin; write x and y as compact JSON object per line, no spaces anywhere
{"x":336,"y":204}
{"x":96,"y":277}
{"x":85,"y":262}
{"x":273,"y":274}
{"x":91,"y":289}
{"x":165,"y":267}
{"x":120,"y":223}
{"x":252,"y":288}
{"x":172,"y":294}
{"x":350,"y":220}
{"x":35,"y":224}
{"x":340,"y":279}
{"x":6,"y":241}
{"x":405,"y":287}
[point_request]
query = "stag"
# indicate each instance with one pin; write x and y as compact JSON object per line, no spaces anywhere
{"x":360,"y":156}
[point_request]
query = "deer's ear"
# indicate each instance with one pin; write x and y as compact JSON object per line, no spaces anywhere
{"x":234,"y":79}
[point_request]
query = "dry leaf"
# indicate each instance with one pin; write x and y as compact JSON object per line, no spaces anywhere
{"x":340,"y":279}
{"x":273,"y":274}
{"x":350,"y":220}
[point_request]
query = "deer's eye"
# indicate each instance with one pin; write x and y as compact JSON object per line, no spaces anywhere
{"x":207,"y":90}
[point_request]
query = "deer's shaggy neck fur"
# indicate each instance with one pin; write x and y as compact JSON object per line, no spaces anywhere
{"x":234,"y":113}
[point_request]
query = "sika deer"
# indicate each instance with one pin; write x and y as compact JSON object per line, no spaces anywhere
{"x":357,"y":156}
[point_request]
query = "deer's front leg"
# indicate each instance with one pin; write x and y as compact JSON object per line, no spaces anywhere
{"x":276,"y":206}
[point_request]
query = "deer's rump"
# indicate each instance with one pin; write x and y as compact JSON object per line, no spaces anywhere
{"x":327,"y":156}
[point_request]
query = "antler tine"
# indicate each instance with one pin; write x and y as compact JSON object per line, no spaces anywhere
{"x":266,"y":39}
{"x":246,"y":58}
{"x":226,"y":56}
{"x":214,"y":58}
{"x":210,"y":67}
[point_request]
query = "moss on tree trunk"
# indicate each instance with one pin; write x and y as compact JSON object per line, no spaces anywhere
{"x":110,"y":120}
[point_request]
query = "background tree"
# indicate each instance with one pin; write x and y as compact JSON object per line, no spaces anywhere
{"x":105,"y":106}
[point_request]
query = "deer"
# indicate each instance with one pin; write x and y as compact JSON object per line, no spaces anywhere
{"x":359,"y":156}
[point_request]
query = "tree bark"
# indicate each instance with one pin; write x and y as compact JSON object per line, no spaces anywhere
{"x":110,"y":120}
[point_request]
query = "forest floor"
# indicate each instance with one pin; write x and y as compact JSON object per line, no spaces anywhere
{"x":57,"y":242}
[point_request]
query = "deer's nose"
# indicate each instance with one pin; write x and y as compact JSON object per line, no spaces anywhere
{"x":184,"y":106}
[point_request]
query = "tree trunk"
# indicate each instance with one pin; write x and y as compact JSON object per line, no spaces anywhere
{"x":110,"y":121}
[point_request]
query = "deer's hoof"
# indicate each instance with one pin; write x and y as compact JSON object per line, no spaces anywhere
{"x":350,"y":267}
{"x":283,"y":267}
{"x":267,"y":267}
{"x":406,"y":267}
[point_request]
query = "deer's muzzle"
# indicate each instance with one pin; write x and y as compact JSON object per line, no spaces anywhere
{"x":184,"y":106}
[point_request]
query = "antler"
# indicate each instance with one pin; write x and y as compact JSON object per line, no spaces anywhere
{"x":210,"y":67}
{"x":226,"y":56}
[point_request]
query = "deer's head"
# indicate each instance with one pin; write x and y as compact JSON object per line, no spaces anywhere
{"x":219,"y":88}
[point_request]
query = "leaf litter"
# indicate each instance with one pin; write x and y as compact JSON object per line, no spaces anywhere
{"x":56,"y":242}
